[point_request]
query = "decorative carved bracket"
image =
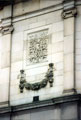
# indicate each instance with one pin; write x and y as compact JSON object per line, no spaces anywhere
{"x":38,"y":85}
{"x":69,"y":13}
{"x":6,"y":30}
{"x":69,"y":9}
{"x":6,"y":26}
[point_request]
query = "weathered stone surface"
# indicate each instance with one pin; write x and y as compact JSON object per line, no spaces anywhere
{"x":69,"y":26}
{"x":69,"y":111}
{"x":4,"y":92}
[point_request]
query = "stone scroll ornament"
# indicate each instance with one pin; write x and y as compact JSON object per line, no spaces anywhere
{"x":38,"y":85}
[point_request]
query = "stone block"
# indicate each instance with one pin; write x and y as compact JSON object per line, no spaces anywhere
{"x":33,"y":20}
{"x":57,"y":113}
{"x":58,"y":73}
{"x":57,"y":47}
{"x":68,"y":62}
{"x":55,"y":17}
{"x":22,"y":115}
{"x":69,"y":26}
{"x":17,"y":42}
{"x":51,"y":95}
{"x":7,"y":11}
{"x":14,"y":90}
{"x":78,"y":24}
{"x":6,"y":42}
{"x":50,"y":92}
{"x":4,"y":92}
{"x":4,"y":76}
{"x":38,"y":24}
{"x":17,"y":56}
{"x":59,"y":66}
{"x":78,"y":51}
{"x":78,"y":75}
{"x":56,"y":58}
{"x":78,"y":35}
{"x":21,"y":101}
{"x":5,"y":117}
{"x":1,"y":14}
{"x":69,"y":111}
{"x":68,"y":80}
{"x":0,"y":60}
{"x":79,"y":10}
{"x":0,"y":43}
{"x":78,"y":85}
{"x":78,"y":67}
{"x":21,"y":26}
{"x":58,"y":26}
{"x":16,"y":67}
{"x":17,"y":9}
{"x":37,"y":71}
{"x":68,"y":44}
{"x":57,"y":37}
{"x":78,"y":59}
{"x":42,"y":114}
{"x":58,"y":80}
{"x":5,"y":59}
{"x":25,"y":7}
{"x":48,"y":3}
{"x":44,"y":17}
{"x":78,"y":44}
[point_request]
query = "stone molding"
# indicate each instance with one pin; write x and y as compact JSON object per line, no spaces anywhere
{"x":69,"y":9}
{"x":6,"y":29}
{"x":69,"y":13}
{"x":6,"y":26}
{"x":70,"y":91}
{"x":39,"y":104}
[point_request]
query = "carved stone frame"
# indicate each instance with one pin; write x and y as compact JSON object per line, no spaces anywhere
{"x":25,"y":39}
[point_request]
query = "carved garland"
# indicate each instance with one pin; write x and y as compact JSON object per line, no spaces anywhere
{"x":38,"y":85}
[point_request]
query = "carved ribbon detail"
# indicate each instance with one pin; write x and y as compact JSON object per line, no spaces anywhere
{"x":38,"y":85}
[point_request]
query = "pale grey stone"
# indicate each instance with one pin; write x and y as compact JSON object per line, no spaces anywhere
{"x":78,"y":24}
{"x":44,"y":4}
{"x":7,"y":11}
{"x":4,"y":75}
{"x":69,"y":26}
{"x":68,"y":62}
{"x":4,"y":92}
{"x":69,"y":111}
{"x":5,"y":59}
{"x":68,"y":80}
{"x":78,"y":59}
{"x":68,"y":44}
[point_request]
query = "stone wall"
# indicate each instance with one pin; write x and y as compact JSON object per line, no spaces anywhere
{"x":53,"y":22}
{"x":63,"y":35}
{"x":58,"y":112}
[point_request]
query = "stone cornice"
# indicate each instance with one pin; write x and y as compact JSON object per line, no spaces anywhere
{"x":39,"y":104}
{"x":50,"y":102}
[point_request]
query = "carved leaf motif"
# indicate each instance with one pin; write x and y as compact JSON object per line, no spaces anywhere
{"x":37,"y":46}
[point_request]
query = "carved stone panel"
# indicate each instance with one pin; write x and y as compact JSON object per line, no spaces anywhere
{"x":37,"y":43}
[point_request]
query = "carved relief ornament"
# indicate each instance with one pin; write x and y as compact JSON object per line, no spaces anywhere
{"x":69,"y":13}
{"x":6,"y":29}
{"x":37,"y":85}
{"x":37,"y":47}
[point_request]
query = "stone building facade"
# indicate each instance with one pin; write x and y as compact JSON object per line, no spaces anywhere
{"x":40,"y":60}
